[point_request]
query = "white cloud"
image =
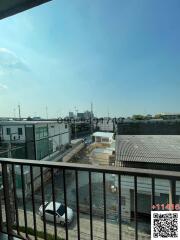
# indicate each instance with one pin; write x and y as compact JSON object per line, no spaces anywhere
{"x":3,"y":86}
{"x":9,"y":62}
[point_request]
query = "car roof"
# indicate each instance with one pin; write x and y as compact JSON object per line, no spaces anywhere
{"x":50,"y":206}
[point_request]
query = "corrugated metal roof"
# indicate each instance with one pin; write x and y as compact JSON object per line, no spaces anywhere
{"x":148,"y":148}
{"x":11,"y":7}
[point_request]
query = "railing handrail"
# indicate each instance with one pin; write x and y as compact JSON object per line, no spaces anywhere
{"x":94,"y":168}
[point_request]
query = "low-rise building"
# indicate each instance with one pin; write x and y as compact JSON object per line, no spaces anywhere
{"x":148,"y":127}
{"x":148,"y":151}
{"x":80,"y":129}
{"x":38,"y":139}
{"x":157,"y":152}
{"x":103,"y":137}
{"x":170,"y":116}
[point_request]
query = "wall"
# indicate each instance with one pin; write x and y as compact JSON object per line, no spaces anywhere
{"x":104,"y":126}
{"x":50,"y":138}
{"x":59,"y":133}
{"x":42,"y":141}
{"x":14,"y":129}
{"x":149,"y":128}
{"x":30,"y":145}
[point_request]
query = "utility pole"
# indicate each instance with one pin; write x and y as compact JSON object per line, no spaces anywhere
{"x":91,"y":118}
{"x":75,"y":133}
{"x":14,"y":112}
{"x":46,"y":112}
{"x":108,"y":112}
{"x":19,"y":109}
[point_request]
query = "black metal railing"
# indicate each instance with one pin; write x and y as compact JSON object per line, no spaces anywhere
{"x":99,"y":212}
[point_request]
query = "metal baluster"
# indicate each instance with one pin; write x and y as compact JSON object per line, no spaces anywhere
{"x":104,"y":196}
{"x":90,"y":203}
{"x":172,"y":193}
{"x":5,"y":181}
{"x":54,"y":203}
{"x":15,"y":198}
{"x":43,"y":203}
{"x":153,"y":192}
{"x":119,"y":214}
{"x":65,"y":203}
{"x":1,"y":217}
{"x":33,"y":202}
{"x":135,"y":207}
{"x":24,"y":200}
{"x":77,"y":204}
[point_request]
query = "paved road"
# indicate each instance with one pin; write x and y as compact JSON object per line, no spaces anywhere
{"x":98,"y":228}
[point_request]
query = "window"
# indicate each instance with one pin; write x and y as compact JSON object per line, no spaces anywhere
{"x":98,"y":139}
{"x":65,"y":125}
{"x":105,"y":139}
{"x":19,"y":131}
{"x":61,"y":210}
{"x":8,"y":131}
{"x":41,"y":132}
{"x":49,"y":212}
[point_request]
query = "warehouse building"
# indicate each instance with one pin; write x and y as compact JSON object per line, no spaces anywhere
{"x":160,"y":152}
{"x":148,"y":151}
{"x":103,"y":137}
{"x":37,"y":139}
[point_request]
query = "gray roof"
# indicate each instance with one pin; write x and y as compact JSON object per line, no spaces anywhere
{"x":148,"y":148}
{"x":4,"y":123}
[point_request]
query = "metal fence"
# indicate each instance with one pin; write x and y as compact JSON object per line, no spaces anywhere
{"x":37,"y":176}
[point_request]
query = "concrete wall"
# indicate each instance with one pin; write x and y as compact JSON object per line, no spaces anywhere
{"x":14,"y":133}
{"x":60,"y":134}
{"x":144,"y":191}
{"x":162,"y":127}
{"x":104,"y":126}
{"x":102,"y":140}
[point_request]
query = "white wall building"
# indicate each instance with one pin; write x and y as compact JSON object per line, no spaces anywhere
{"x":103,"y":137}
{"x":39,"y":138}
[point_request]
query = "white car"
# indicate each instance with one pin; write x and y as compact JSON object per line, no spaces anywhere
{"x":59,"y":212}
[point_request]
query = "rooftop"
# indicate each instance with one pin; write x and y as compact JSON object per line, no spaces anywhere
{"x":103,"y":134}
{"x":148,"y":148}
{"x":150,"y":121}
{"x":164,"y":113}
{"x":25,"y":122}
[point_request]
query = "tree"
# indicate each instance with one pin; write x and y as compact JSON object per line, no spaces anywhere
{"x":158,"y":116}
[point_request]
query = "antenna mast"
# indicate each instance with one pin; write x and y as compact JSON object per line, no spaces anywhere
{"x":19,"y":109}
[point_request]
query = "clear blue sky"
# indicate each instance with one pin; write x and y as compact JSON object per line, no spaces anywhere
{"x":121,"y":55}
